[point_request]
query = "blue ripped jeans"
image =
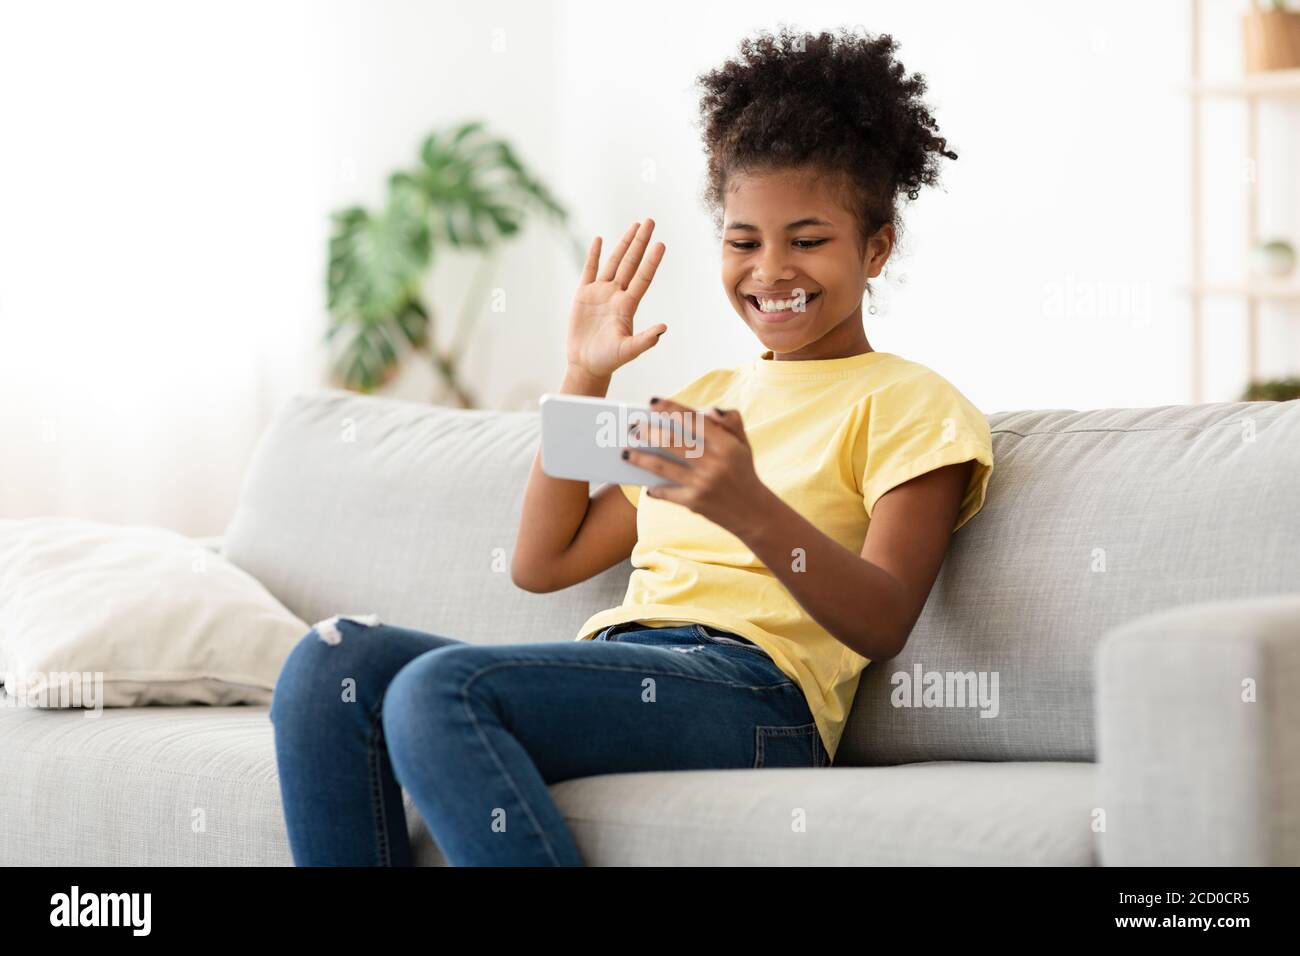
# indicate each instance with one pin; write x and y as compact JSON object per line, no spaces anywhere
{"x":476,"y":734}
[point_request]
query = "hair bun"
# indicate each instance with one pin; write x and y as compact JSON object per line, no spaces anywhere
{"x":838,"y":101}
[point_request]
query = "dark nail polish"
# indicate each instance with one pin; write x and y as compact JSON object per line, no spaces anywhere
{"x":624,"y":452}
{"x":654,"y":401}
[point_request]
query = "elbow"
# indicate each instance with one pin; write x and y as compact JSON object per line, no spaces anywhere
{"x":887,"y":646}
{"x":525,"y":581}
{"x":895,"y":625}
{"x":891,"y":649}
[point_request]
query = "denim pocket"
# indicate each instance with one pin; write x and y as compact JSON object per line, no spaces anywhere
{"x":799,"y":746}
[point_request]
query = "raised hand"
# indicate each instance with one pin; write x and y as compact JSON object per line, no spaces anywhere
{"x":601,"y":338}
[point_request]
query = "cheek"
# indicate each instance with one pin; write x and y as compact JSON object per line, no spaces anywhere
{"x":844,"y":289}
{"x":731,"y":278}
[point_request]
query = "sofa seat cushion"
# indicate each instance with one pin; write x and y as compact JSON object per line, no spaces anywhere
{"x":145,"y":786}
{"x":180,"y":786}
{"x":951,"y":813}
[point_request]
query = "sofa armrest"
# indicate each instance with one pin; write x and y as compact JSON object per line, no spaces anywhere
{"x":1198,"y":736}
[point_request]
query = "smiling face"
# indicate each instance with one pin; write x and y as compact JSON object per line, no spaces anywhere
{"x":783,"y":232}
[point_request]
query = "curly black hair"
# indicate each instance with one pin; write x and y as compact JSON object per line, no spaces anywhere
{"x":837,"y":104}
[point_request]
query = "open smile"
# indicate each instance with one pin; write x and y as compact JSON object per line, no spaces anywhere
{"x":782,"y":316}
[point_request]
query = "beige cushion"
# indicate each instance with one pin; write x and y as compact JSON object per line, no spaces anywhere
{"x":99,"y":615}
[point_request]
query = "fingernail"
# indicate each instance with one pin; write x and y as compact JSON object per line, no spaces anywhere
{"x":625,"y":453}
{"x":719,"y":410}
{"x":654,"y":401}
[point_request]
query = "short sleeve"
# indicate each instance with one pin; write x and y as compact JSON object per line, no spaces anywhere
{"x":917,"y":425}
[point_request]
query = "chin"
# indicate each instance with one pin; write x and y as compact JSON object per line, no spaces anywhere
{"x":780,"y":344}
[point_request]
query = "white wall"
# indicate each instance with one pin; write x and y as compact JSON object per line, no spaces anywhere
{"x":158,"y":252}
{"x":166,"y":172}
{"x":1068,"y":191}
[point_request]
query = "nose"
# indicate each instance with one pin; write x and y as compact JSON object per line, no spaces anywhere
{"x":771,"y":268}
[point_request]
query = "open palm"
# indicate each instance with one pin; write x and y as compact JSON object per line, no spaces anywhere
{"x":601,"y":336}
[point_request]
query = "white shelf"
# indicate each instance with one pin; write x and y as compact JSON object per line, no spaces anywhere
{"x":1273,"y":83}
{"x":1251,"y":90}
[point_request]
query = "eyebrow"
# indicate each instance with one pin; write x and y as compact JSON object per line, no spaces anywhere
{"x":797,"y":224}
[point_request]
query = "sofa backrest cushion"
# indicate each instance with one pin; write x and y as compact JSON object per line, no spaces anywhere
{"x":1092,"y":518}
{"x":359,"y":504}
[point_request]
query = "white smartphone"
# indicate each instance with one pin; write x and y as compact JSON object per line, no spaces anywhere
{"x":583,"y":439}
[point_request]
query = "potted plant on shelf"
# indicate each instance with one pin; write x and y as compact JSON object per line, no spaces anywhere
{"x":469,"y":192}
{"x":1271,"y":33}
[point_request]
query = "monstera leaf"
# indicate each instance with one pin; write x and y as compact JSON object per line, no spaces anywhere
{"x":479,"y":188}
{"x":374,"y":275}
{"x":468,"y":191}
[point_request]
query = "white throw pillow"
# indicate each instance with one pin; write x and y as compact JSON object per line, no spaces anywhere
{"x":131,"y":615}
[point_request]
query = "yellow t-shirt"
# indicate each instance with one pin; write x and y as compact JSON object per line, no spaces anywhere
{"x":829,"y":437}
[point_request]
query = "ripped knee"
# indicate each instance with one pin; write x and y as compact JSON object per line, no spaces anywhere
{"x":328,"y":629}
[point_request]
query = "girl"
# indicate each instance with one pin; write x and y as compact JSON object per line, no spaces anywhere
{"x":800,"y":545}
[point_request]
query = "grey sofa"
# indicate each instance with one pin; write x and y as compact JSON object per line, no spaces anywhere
{"x":1133,"y":582}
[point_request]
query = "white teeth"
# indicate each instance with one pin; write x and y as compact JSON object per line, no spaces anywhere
{"x":779,"y":305}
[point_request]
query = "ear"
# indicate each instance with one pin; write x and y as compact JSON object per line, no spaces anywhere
{"x":879,"y":247}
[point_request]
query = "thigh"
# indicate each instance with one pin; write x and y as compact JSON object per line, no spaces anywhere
{"x":666,"y":701}
{"x":346,"y":661}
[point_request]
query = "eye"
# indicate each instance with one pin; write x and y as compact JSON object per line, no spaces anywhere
{"x":744,"y":245}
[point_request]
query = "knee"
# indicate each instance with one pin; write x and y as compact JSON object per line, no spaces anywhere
{"x":295,"y":674}
{"x":316,"y":672}
{"x":428,"y":689}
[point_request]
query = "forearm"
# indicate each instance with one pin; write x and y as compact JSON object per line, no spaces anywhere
{"x":553,"y":508}
{"x":856,"y":601}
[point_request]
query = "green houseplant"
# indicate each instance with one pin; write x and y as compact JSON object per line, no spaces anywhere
{"x":1272,"y":390}
{"x":468,"y":191}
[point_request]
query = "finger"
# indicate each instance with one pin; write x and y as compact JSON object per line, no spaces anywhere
{"x":593,"y":260}
{"x":667,"y":404}
{"x":664,"y":437}
{"x":728,"y":419}
{"x":688,"y":421}
{"x":634,"y":345}
{"x":675,"y":422}
{"x":616,"y":257}
{"x":673,"y":493}
{"x":675,"y":427}
{"x":632,"y":261}
{"x":641,"y":281}
{"x":672,"y":469}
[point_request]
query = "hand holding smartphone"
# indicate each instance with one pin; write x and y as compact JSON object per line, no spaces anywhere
{"x":583,"y":439}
